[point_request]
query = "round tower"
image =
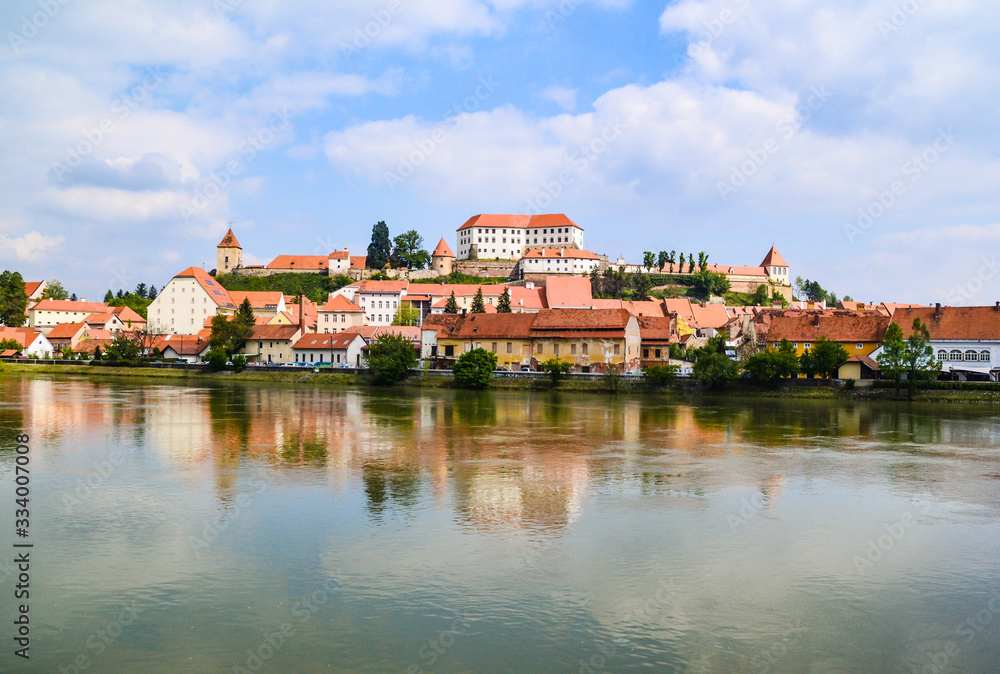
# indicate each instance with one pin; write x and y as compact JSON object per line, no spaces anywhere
{"x":442,"y":259}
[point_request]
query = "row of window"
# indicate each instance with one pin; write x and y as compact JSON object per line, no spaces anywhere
{"x":956,"y":355}
{"x":343,"y":318}
{"x":555,"y":230}
{"x":312,"y":358}
{"x":379,"y":304}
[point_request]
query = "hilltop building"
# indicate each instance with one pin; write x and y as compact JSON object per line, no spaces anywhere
{"x":509,"y":237}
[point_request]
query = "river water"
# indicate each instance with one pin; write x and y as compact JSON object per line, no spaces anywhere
{"x":261,"y":527}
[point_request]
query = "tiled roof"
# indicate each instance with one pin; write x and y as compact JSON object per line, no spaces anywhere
{"x":218,"y":294}
{"x":278,"y":332}
{"x":773,"y":259}
{"x":23,"y":336}
{"x":311,"y":262}
{"x":445,"y":324}
{"x":644,"y":308}
{"x":183,"y":345}
{"x":370,"y":332}
{"x":258,"y":299}
{"x":735,"y":270}
{"x":581,"y":319}
{"x":126,"y":314}
{"x":340,"y":255}
{"x":568,"y":292}
{"x":229,"y":241}
{"x":709,"y":316}
{"x":66,"y":330}
{"x":494,"y":326}
{"x":559,"y":253}
{"x":88,"y":346}
{"x":31,"y":286}
{"x":66,"y":305}
{"x":655,"y":329}
{"x":339,"y":303}
{"x":519,"y":221}
{"x":953,"y":323}
{"x":442,"y":250}
{"x":340,"y":340}
{"x":359,"y":261}
{"x":796,"y":325}
{"x":866,"y":360}
{"x":381,"y":286}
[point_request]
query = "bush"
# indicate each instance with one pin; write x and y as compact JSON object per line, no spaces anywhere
{"x":216,"y":359}
{"x":390,"y":359}
{"x":556,"y":369}
{"x":474,"y":369}
{"x":659,"y":375}
{"x":239,"y":362}
{"x":612,"y":380}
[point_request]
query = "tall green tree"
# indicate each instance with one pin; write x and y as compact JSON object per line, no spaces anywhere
{"x":916,"y":358}
{"x":640,"y":286}
{"x":662,"y":259}
{"x":108,"y":296}
{"x":54,"y":291}
{"x":407,"y":314}
{"x":690,"y":263}
{"x":13,"y":299}
{"x":380,"y":249}
{"x":478,"y":303}
{"x":773,"y":364}
{"x":672,"y":259}
{"x":680,"y":269}
{"x":451,"y":306}
{"x":151,"y":293}
{"x":892,"y":354}
{"x":390,"y":358}
{"x":230,"y":333}
{"x":648,"y":259}
{"x":409,"y":251}
{"x":712,"y":366}
{"x":503,"y":306}
{"x":140,"y":290}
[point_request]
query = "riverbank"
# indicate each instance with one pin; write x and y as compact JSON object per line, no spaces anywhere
{"x":423,"y":381}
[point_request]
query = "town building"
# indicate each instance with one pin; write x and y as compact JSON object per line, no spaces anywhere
{"x":272,"y":343}
{"x":442,"y":259}
{"x":70,"y":334}
{"x":187,"y":348}
{"x":966,"y":340}
{"x":509,"y":237}
{"x":546,"y":261}
{"x":47,"y":314}
{"x":859,"y":332}
{"x":187,"y":301}
{"x":34,"y":343}
{"x":340,"y":350}
{"x":380,"y":300}
{"x":339,"y":314}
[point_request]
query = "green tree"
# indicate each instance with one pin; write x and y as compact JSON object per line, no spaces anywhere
{"x":230,"y":333}
{"x":140,"y":290}
{"x":137,"y":304}
{"x":216,"y":358}
{"x":648,"y":260}
{"x":503,"y":306}
{"x":659,"y":375}
{"x":380,"y":249}
{"x":123,"y":348}
{"x":702,"y":261}
{"x":54,"y":291}
{"x":776,"y":296}
{"x":151,"y":293}
{"x":451,"y":306}
{"x":478,"y":304}
{"x":406,"y":315}
{"x":892,"y":354}
{"x":390,"y":359}
{"x":612,"y":380}
{"x":712,"y":366}
{"x":707,"y":283}
{"x":8,"y":344}
{"x":409,"y":251}
{"x":680,"y":269}
{"x":828,"y":356}
{"x":66,"y":352}
{"x":97,"y":354}
{"x":807,"y":365}
{"x":759,"y":296}
{"x":773,"y":364}
{"x":474,"y":369}
{"x":671,"y":260}
{"x":640,"y":286}
{"x":108,"y":297}
{"x":556,"y":369}
{"x":690,"y":263}
{"x":918,"y":356}
{"x":239,"y":362}
{"x":13,"y":299}
{"x":662,"y":259}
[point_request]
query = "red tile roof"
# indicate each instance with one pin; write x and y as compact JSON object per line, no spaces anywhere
{"x":259,"y":300}
{"x":645,"y":308}
{"x":519,"y":221}
{"x":66,"y":305}
{"x":559,"y":253}
{"x":339,"y":303}
{"x":229,"y":241}
{"x":581,"y":319}
{"x":736,"y":270}
{"x":381,"y":286}
{"x":359,"y":261}
{"x":655,"y":329}
{"x":953,"y":323}
{"x":866,"y":360}
{"x":275,"y":332}
{"x":327,"y":342}
{"x":340,"y":255}
{"x":31,"y":287}
{"x":66,"y":331}
{"x":442,"y":250}
{"x":493,"y":326}
{"x":88,"y":346}
{"x":568,"y":292}
{"x":183,"y":345}
{"x":218,"y":294}
{"x":310,"y":262}
{"x":23,"y":336}
{"x":773,"y":259}
{"x":796,"y":325}
{"x":444,"y":324}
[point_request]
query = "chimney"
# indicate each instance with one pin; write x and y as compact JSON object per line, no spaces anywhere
{"x":302,"y":314}
{"x":816,"y":324}
{"x":530,"y":286}
{"x":998,"y":306}
{"x":937,"y":310}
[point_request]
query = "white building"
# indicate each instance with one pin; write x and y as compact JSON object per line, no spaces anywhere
{"x":187,"y":301}
{"x":380,"y":300}
{"x":47,"y":314}
{"x":343,"y":349}
{"x":556,"y":261}
{"x":33,"y":343}
{"x":507,"y":237}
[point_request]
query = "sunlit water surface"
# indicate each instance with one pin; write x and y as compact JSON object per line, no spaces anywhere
{"x":296,"y":529}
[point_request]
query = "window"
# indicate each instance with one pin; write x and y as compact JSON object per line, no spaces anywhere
{"x":859,"y":346}
{"x":510,"y":347}
{"x":971,"y":355}
{"x":807,"y":345}
{"x":555,"y":349}
{"x":618,"y":349}
{"x":955,"y":355}
{"x":645,"y":353}
{"x":541,"y":349}
{"x":984,"y":356}
{"x":659,"y":353}
{"x":942,"y":354}
{"x":586,"y":349}
{"x":494,"y":349}
{"x":572,"y":349}
{"x":449,"y":350}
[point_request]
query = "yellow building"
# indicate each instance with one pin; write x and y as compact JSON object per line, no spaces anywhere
{"x":859,"y":332}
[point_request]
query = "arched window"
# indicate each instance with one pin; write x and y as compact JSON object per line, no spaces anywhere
{"x":955,"y":355}
{"x":942,"y":354}
{"x":971,"y":355}
{"x":984,"y":356}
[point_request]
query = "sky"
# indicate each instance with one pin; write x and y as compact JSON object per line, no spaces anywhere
{"x":857,"y":136}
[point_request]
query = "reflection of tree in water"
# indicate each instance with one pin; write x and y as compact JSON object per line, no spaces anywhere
{"x":390,"y":486}
{"x":231,"y":415}
{"x":299,"y":451}
{"x":389,"y":408}
{"x":474,"y":408}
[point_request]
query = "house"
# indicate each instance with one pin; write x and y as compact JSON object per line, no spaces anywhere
{"x":190,"y":348}
{"x":34,"y":343}
{"x":272,"y":343}
{"x":568,"y":292}
{"x":34,"y":291}
{"x":309,"y":308}
{"x":966,"y":340}
{"x":339,"y":314}
{"x":859,"y":367}
{"x":70,"y":334}
{"x":545,"y":261}
{"x":588,"y":339}
{"x":657,"y":333}
{"x":529,"y":298}
{"x":334,"y":349}
{"x":47,"y":314}
{"x":859,"y":332}
{"x":87,"y":347}
{"x":119,"y":319}
{"x":507,"y":237}
{"x":380,"y":300}
{"x":339,"y":262}
{"x":187,"y":301}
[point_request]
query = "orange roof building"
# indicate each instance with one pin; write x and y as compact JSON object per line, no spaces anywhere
{"x":508,"y":237}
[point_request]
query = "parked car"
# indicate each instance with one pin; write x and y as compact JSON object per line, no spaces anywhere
{"x":525,"y":368}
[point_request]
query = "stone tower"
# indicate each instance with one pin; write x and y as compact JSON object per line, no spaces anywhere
{"x":442,"y":259}
{"x":229,"y":254}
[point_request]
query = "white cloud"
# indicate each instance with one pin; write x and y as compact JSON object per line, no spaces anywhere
{"x":30,"y":247}
{"x":564,"y":97}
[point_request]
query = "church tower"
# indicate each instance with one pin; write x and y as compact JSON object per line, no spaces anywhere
{"x":229,"y":254}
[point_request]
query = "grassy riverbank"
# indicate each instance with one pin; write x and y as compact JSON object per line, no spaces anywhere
{"x":342,"y":379}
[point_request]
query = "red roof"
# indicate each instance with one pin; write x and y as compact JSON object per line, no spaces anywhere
{"x":339,"y":303}
{"x":340,"y":255}
{"x":442,"y":250}
{"x":66,"y":331}
{"x":381,"y":286}
{"x":519,"y":221}
{"x":796,"y":325}
{"x":359,"y":261}
{"x":183,"y":345}
{"x":559,"y":253}
{"x":276,"y":332}
{"x":310,"y":262}
{"x":734,"y":270}
{"x":260,"y":299}
{"x":66,"y":305}
{"x":229,"y":241}
{"x":568,"y":292}
{"x":953,"y":323}
{"x":31,"y":287}
{"x":493,"y":326}
{"x":218,"y":294}
{"x":655,"y":329}
{"x":773,"y":259}
{"x":327,"y":342}
{"x":23,"y":336}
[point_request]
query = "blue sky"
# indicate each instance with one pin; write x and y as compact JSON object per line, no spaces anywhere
{"x":859,"y":136}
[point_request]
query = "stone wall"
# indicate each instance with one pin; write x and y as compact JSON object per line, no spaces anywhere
{"x":496,"y":268}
